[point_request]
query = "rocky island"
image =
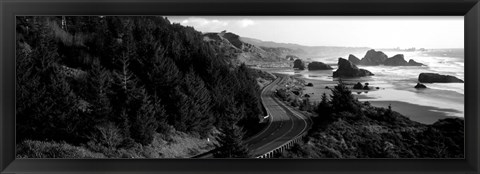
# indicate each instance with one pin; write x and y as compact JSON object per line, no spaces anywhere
{"x":348,"y":69}
{"x":374,"y":58}
{"x":399,"y":60}
{"x":318,"y":66}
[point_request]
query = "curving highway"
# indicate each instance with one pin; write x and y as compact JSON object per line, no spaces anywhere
{"x":284,"y":124}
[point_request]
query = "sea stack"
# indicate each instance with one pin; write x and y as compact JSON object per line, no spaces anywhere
{"x":318,"y":66}
{"x":399,"y":60}
{"x":298,"y":64}
{"x":412,"y":62}
{"x":374,"y":58}
{"x":348,"y":69}
{"x":354,"y":59}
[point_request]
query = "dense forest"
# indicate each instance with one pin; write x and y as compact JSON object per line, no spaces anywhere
{"x":109,"y":83}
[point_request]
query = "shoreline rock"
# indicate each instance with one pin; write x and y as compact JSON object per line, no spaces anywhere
{"x":438,"y":78}
{"x":358,"y":86}
{"x":420,"y":86}
{"x":412,"y":62}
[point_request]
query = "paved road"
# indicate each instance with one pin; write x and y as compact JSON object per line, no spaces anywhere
{"x":285,"y":123}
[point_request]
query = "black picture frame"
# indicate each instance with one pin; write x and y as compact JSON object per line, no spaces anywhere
{"x":470,"y":9}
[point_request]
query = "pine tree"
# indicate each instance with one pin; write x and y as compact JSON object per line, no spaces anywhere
{"x":123,"y":94}
{"x":160,"y":115}
{"x":343,"y":100}
{"x":199,"y":116}
{"x":143,"y":122}
{"x":163,"y":76}
{"x":247,"y":94}
{"x":323,"y":109}
{"x":98,"y":86}
{"x":231,"y":145}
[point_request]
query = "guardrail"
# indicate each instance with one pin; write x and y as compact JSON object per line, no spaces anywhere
{"x":283,"y":147}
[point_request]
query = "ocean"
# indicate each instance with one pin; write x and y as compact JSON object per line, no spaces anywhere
{"x":397,"y":83}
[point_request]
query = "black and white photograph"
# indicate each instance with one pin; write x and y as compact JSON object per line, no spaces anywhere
{"x":286,"y":87}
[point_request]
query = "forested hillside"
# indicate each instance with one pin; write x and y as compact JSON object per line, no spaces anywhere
{"x":121,"y":82}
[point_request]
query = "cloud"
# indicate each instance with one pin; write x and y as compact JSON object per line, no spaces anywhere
{"x":245,"y":23}
{"x":205,"y":24}
{"x":214,"y":24}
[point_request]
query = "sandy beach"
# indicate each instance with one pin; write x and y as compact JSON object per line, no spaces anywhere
{"x":419,"y":113}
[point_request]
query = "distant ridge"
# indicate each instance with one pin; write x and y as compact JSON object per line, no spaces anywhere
{"x":308,"y":51}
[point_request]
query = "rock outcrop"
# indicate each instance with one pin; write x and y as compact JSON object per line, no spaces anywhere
{"x":438,"y":78}
{"x":412,"y":62}
{"x":373,"y":58}
{"x":348,"y":69}
{"x":399,"y":60}
{"x":318,"y":66}
{"x":358,"y":86}
{"x":420,"y":86}
{"x":354,"y":59}
{"x":299,"y":64}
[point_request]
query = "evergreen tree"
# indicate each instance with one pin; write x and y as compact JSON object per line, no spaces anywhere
{"x":248,"y":95}
{"x":192,"y":112}
{"x":230,"y":140}
{"x":164,"y":75}
{"x":323,"y":109}
{"x":231,"y":145}
{"x":198,"y":116}
{"x":160,"y":115}
{"x":98,"y":85}
{"x":143,"y":122}
{"x":343,"y":100}
{"x":123,"y":93}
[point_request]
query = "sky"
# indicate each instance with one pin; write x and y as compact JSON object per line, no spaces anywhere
{"x":348,"y":31}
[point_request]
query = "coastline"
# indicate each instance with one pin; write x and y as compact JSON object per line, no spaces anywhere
{"x":419,"y":113}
